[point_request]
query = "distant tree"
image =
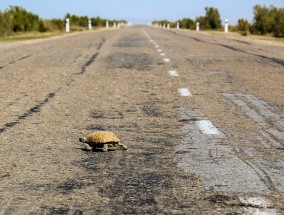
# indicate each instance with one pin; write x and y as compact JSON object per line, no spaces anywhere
{"x":203,"y":22}
{"x":98,"y":22}
{"x":278,"y":25}
{"x":261,"y":16}
{"x":268,"y":20}
{"x":243,"y":25}
{"x":1,"y":24}
{"x":187,"y":23}
{"x":213,"y":18}
{"x":42,"y":28}
{"x":7,"y":22}
{"x":83,"y":21}
{"x":57,"y":24}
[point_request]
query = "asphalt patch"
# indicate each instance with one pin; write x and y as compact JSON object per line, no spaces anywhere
{"x":132,"y":41}
{"x":151,"y":110}
{"x":58,"y":211}
{"x":130,"y":61}
{"x":69,"y":186}
{"x":219,"y":198}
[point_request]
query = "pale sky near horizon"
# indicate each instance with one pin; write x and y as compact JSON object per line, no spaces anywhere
{"x":141,"y":11}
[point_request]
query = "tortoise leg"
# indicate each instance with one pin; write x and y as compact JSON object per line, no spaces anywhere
{"x":105,"y":148}
{"x":88,"y":147}
{"x":122,"y":145}
{"x":111,"y":147}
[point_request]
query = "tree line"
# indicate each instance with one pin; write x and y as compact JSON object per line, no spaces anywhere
{"x":82,"y":21}
{"x":267,"y":20}
{"x":211,"y":21}
{"x":16,"y":19}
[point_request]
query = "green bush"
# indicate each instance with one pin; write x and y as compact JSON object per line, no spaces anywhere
{"x":268,"y":20}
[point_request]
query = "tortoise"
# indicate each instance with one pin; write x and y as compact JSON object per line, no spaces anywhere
{"x":102,"y":139}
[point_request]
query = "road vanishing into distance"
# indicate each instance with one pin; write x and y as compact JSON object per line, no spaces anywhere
{"x":202,"y":116}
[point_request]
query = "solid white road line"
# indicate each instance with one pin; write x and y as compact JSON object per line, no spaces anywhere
{"x":184,"y":92}
{"x":207,"y":127}
{"x":173,"y":73}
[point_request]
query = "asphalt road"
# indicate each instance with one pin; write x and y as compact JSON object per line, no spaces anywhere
{"x":202,"y":115}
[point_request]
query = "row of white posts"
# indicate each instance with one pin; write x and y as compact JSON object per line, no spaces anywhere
{"x":226,"y":29}
{"x":115,"y":25}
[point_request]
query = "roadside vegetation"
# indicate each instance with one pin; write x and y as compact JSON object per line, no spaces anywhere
{"x":16,"y":23}
{"x":267,"y":21}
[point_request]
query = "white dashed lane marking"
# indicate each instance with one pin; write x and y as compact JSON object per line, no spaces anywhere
{"x":163,"y":54}
{"x":159,"y":50}
{"x":207,"y":127}
{"x":173,"y":73}
{"x":166,"y":60}
{"x":184,"y":92}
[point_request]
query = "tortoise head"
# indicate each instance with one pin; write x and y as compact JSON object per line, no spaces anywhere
{"x":122,"y":145}
{"x":83,"y":140}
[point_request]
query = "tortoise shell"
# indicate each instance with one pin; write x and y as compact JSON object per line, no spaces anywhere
{"x":105,"y":139}
{"x":101,"y":137}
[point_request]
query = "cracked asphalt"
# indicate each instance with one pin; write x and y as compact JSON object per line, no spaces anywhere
{"x":129,"y":81}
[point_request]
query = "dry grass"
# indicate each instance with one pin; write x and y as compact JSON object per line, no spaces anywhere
{"x":266,"y":38}
{"x":29,"y":36}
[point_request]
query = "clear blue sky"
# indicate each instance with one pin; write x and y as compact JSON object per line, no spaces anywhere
{"x":141,"y":11}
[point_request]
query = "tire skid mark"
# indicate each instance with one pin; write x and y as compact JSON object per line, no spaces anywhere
{"x":221,"y":156}
{"x":93,"y":57}
{"x":25,"y":57}
{"x":262,"y":113}
{"x":275,"y":60}
{"x":33,"y":110}
{"x":205,"y":156}
{"x":271,"y":135}
{"x":89,"y":62}
{"x":260,"y":171}
{"x":15,"y":61}
{"x":101,"y":44}
{"x":272,"y":59}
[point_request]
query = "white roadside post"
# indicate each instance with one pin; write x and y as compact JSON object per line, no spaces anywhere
{"x":164,"y":26}
{"x":67,"y":23}
{"x":226,"y":25}
{"x":168,"y":26}
{"x":90,"y":24}
{"x":178,"y":25}
{"x":114,"y":25}
{"x":197,"y":26}
{"x":107,"y":24}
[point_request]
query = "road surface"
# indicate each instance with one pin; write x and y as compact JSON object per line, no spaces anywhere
{"x":202,"y":115}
